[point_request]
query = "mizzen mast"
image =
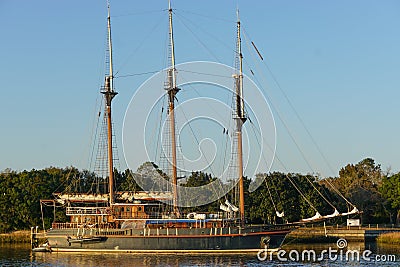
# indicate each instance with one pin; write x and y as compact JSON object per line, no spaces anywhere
{"x":240,"y":117}
{"x":172,"y":90}
{"x":109,"y":94}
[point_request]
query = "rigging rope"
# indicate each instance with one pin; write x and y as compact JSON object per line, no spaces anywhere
{"x":158,"y":133}
{"x":138,"y":13}
{"x":199,"y":28}
{"x":204,"y":73}
{"x":69,"y":173}
{"x":138,"y":47}
{"x":293,"y":139}
{"x":222,"y":118}
{"x":207,"y":161}
{"x":270,"y":195}
{"x":301,"y":122}
{"x":207,"y":16}
{"x":251,"y":123}
{"x":197,"y":39}
{"x":136,"y":74}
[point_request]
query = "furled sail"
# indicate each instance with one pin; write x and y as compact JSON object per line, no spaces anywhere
{"x":315,"y":217}
{"x":334,"y":214}
{"x":280,"y":215}
{"x":353,"y":211}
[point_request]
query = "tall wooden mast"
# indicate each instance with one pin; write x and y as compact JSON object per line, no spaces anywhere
{"x":109,"y":94}
{"x":172,"y":90}
{"x":240,"y":118}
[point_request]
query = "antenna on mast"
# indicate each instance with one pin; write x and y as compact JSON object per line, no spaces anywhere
{"x":109,"y":94}
{"x":111,"y":73}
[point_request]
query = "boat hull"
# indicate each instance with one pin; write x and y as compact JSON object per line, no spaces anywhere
{"x":198,"y":240}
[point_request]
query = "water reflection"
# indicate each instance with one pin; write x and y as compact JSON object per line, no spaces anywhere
{"x":98,"y":259}
{"x":18,"y":255}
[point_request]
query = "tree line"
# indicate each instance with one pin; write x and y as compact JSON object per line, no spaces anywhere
{"x":375,"y":193}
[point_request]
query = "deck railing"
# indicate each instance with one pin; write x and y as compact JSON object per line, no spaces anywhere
{"x":80,"y":225}
{"x":361,"y":227}
{"x":87,"y":211}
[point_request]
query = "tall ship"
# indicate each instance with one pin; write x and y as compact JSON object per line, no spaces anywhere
{"x":143,"y":221}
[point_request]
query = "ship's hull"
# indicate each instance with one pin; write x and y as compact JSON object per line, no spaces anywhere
{"x":196,"y":240}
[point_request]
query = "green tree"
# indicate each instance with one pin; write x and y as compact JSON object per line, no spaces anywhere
{"x":278,"y":192}
{"x":20,"y":194}
{"x":126,"y":182}
{"x":390,"y":190}
{"x":200,"y":179}
{"x":360,"y":184}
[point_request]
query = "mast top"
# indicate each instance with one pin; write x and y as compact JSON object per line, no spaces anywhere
{"x":240,"y":110}
{"x":171,"y":88}
{"x":109,"y":83}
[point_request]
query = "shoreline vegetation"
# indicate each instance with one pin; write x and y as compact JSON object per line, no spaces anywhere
{"x":389,"y":238}
{"x":363,"y":185}
{"x":23,"y":236}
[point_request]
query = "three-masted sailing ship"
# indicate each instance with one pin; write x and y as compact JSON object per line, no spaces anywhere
{"x":136,"y":221}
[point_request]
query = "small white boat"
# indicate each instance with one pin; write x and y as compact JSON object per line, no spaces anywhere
{"x":42,"y":248}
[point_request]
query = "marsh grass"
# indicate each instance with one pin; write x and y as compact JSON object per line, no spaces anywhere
{"x":389,"y":238}
{"x":16,"y":237}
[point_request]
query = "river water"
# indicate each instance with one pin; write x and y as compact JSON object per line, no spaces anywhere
{"x":290,"y":255}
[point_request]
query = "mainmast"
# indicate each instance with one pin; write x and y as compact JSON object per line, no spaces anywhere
{"x":172,"y":90}
{"x":109,"y":94}
{"x":240,"y":117}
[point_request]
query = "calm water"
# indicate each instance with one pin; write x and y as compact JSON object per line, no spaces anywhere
{"x":17,"y":255}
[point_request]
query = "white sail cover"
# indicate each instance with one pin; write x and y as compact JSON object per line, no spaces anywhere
{"x":280,"y":215}
{"x":315,"y":217}
{"x":231,"y":206}
{"x":353,"y":211}
{"x":334,"y":214}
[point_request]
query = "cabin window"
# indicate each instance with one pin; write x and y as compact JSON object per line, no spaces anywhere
{"x":139,"y":208}
{"x":122,"y":209}
{"x":128,"y":209}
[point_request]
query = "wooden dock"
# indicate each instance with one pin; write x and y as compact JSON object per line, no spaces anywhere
{"x":330,"y":233}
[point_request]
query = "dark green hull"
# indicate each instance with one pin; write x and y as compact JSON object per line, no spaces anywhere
{"x":190,"y":240}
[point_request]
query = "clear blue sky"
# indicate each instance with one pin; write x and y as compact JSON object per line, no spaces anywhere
{"x":337,"y":61}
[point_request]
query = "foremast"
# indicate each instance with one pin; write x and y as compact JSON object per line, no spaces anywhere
{"x":109,"y":94}
{"x":240,"y":117}
{"x":172,"y":90}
